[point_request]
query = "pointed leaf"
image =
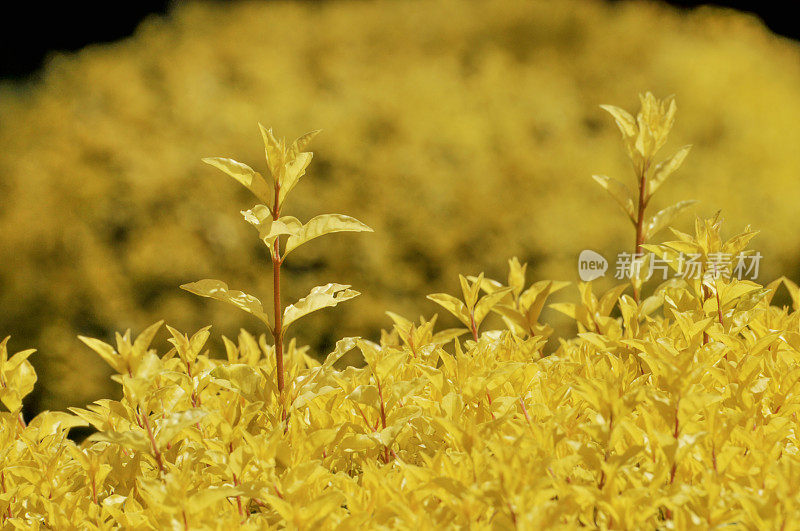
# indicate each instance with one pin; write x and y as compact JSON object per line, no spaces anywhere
{"x":619,"y":192}
{"x":107,"y":352}
{"x":260,"y":216}
{"x":452,"y":305}
{"x":208,"y":497}
{"x":288,"y":225}
{"x":251,"y":179}
{"x":625,"y":122}
{"x":302,"y":142}
{"x":294,"y":169}
{"x":366,"y":395}
{"x":18,"y":382}
{"x":17,"y":359}
{"x":666,"y":168}
{"x":326,"y":296}
{"x":511,"y":315}
{"x":794,"y":292}
{"x":516,"y":275}
{"x":402,"y":324}
{"x":171,"y":426}
{"x":216,"y":289}
{"x":488,"y":302}
{"x":244,"y":379}
{"x":471,"y":291}
{"x":343,"y":346}
{"x":536,"y":307}
{"x":134,"y":440}
{"x":324,"y":224}
{"x":143,"y":340}
{"x":666,"y":216}
{"x":276,"y":153}
{"x":445,"y":336}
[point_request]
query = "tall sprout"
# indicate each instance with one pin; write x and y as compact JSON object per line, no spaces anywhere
{"x":643,"y":137}
{"x":281,"y":234}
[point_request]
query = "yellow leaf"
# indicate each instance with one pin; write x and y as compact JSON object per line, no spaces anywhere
{"x":17,"y":377}
{"x":134,"y":440}
{"x":625,"y":122}
{"x":168,"y":428}
{"x":260,"y":216}
{"x":239,"y":377}
{"x":488,"y":302}
{"x":666,"y":168}
{"x":366,"y":395}
{"x":794,"y":292}
{"x":343,"y":346}
{"x":275,"y":152}
{"x":50,"y":423}
{"x":452,"y":305}
{"x":251,"y":179}
{"x":216,"y":289}
{"x":472,"y":291}
{"x":619,"y":192}
{"x":107,"y":352}
{"x":516,"y":275}
{"x":295,"y":169}
{"x":326,"y":296}
{"x":357,"y":442}
{"x":324,"y":224}
{"x":143,"y":340}
{"x":666,"y":216}
{"x":210,"y":496}
{"x":188,"y":350}
{"x":303,"y":141}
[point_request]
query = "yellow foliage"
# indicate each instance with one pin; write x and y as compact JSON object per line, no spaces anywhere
{"x":667,"y":419}
{"x":677,"y":411}
{"x":463,"y":132}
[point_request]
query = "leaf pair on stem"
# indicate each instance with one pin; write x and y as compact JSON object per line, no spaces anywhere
{"x":643,"y":137}
{"x":281,"y":234}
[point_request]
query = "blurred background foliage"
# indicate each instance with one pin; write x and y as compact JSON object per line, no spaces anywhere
{"x":464,"y":132}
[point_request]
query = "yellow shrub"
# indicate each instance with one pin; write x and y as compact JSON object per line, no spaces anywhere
{"x":674,"y":408}
{"x":668,"y":419}
{"x":463,"y":132}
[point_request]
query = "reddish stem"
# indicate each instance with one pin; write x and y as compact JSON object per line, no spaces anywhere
{"x":94,"y":492}
{"x":411,"y":341}
{"x":383,"y":418}
{"x":513,"y":514}
{"x":706,"y":296}
{"x":473,"y":326}
{"x":363,"y":416}
{"x":714,"y":457}
{"x":719,"y":310}
{"x":640,"y":221}
{"x":156,"y":452}
{"x":675,"y":435}
{"x":525,"y":412}
{"x":277,"y":331}
{"x":238,"y":498}
{"x":196,"y":400}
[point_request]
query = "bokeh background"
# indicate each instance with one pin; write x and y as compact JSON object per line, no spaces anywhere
{"x":464,"y":132}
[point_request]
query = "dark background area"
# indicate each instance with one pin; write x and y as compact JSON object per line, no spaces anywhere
{"x":31,"y":30}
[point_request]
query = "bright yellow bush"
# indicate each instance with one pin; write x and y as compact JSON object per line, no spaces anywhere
{"x":675,"y":411}
{"x":463,"y":132}
{"x":646,"y":420}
